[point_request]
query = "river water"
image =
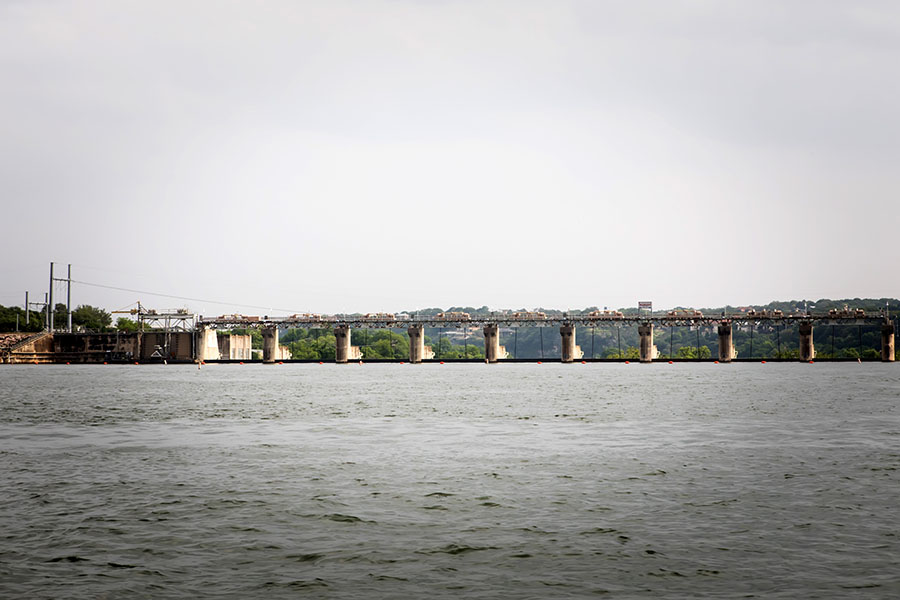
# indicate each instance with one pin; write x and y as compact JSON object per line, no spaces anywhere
{"x":450,"y":481}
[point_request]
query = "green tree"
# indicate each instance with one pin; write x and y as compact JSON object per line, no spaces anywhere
{"x":370,"y":353}
{"x":324,"y":346}
{"x":444,"y":349}
{"x":90,"y":318}
{"x":309,"y":347}
{"x":127,"y":325}
{"x":850,"y":353}
{"x":8,"y":316}
{"x":381,"y":343}
{"x":690,"y":352}
{"x":472,"y":352}
{"x":61,"y":316}
{"x":871,"y":354}
{"x":686,"y":352}
{"x":630,"y":353}
{"x":302,"y":349}
{"x":787,"y":353}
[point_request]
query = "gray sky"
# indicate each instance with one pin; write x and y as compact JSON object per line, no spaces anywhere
{"x":384,"y":155}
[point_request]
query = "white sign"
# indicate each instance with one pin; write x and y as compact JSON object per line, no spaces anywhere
{"x":647,"y":305}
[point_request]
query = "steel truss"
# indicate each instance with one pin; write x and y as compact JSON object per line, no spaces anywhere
{"x":358,"y":322}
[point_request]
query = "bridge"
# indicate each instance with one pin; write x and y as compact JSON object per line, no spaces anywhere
{"x":415,"y":326}
{"x":177,"y":335}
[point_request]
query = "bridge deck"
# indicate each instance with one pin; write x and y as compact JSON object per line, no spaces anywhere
{"x":355,"y":322}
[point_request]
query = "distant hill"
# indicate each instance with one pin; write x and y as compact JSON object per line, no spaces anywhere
{"x":822,"y":305}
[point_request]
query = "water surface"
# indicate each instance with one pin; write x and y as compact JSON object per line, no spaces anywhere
{"x":450,"y":481}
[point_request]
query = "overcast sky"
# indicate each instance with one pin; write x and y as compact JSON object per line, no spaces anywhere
{"x":388,"y":155}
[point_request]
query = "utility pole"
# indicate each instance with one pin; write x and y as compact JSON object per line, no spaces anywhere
{"x":50,"y":305}
{"x":69,"y":299}
{"x":38,"y":306}
{"x":51,"y":309}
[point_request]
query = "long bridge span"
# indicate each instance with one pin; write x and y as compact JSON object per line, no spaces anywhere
{"x":415,"y":326}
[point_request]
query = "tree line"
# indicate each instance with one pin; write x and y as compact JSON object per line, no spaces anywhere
{"x":84,"y":318}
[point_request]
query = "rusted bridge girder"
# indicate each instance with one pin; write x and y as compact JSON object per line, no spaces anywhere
{"x":355,"y":322}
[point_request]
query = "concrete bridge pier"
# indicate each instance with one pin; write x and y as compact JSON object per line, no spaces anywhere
{"x":567,"y":333}
{"x":887,"y":342}
{"x":207,"y":345}
{"x":491,"y":342}
{"x":270,"y":344}
{"x":200,"y":347}
{"x":807,"y":347}
{"x":646,"y":333}
{"x":726,"y":343}
{"x":342,"y":344}
{"x":416,"y":343}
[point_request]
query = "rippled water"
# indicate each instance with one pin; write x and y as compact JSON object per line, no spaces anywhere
{"x":450,"y":481}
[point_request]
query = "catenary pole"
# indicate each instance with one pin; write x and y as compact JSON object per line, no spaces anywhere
{"x":69,"y":300}
{"x":50,"y":303}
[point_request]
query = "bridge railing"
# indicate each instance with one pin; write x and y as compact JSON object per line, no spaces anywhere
{"x":331,"y":321}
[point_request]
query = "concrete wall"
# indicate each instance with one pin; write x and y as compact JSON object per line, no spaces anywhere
{"x":648,"y":348}
{"x":416,"y":343}
{"x":209,"y":345}
{"x":342,"y":344}
{"x":727,"y":351}
{"x":270,"y":344}
{"x":103,"y":347}
{"x":887,"y":343}
{"x":567,"y":343}
{"x":181,"y":345}
{"x":96,"y":347}
{"x":235,"y":347}
{"x":37,"y":350}
{"x":807,"y":344}
{"x":491,"y":343}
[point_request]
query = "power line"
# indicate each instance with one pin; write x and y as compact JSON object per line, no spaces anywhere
{"x":121,"y":289}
